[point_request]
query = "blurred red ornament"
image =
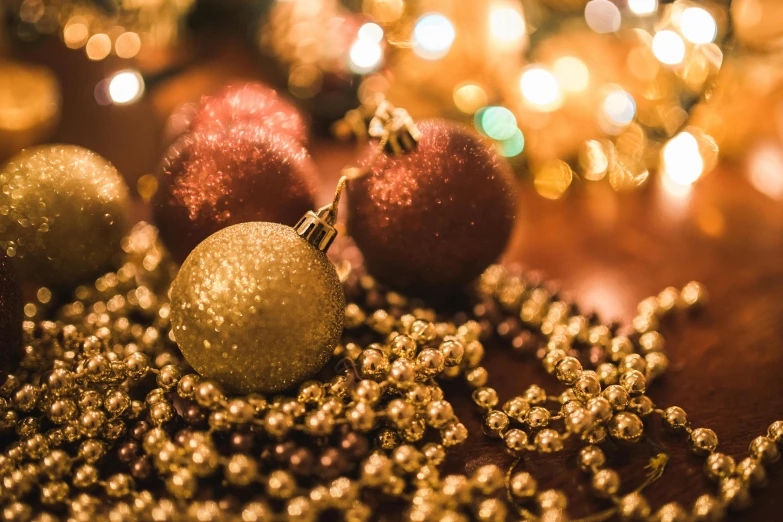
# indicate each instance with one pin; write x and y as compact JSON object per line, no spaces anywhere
{"x":11,"y":315}
{"x":436,"y":217}
{"x":210,"y":180}
{"x":253,"y":104}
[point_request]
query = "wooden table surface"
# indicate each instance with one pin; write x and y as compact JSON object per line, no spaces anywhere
{"x":610,"y":250}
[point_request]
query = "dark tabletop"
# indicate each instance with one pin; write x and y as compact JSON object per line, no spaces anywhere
{"x":609,"y":250}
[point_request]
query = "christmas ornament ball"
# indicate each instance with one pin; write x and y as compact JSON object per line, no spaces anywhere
{"x":436,"y":217}
{"x":257,"y":308}
{"x":210,"y":180}
{"x":251,"y":103}
{"x":62,"y":213}
{"x":11,"y":316}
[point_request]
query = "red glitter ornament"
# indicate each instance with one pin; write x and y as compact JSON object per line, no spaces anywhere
{"x":436,"y":217}
{"x":210,"y":180}
{"x":252,"y":104}
{"x":11,"y":315}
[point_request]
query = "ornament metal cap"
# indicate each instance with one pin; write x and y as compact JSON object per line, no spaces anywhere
{"x":317,"y":228}
{"x":396,"y":127}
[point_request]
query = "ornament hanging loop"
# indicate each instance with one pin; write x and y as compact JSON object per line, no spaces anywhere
{"x":396,"y":126}
{"x":317,"y":227}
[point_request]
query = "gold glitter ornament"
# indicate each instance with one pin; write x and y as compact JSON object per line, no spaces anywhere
{"x":257,"y":307}
{"x":62,"y":213}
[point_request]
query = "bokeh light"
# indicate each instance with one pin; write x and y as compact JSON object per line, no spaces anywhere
{"x":127,"y":45}
{"x":619,"y":107}
{"x":698,"y":26}
{"x":469,"y":98}
{"x":371,"y":32}
{"x":668,"y":47}
{"x":552,"y":179}
{"x":765,"y":170}
{"x":681,"y":160}
{"x":433,"y":35}
{"x":540,"y":89}
{"x":506,"y":25}
{"x":365,"y":56}
{"x":602,"y":16}
{"x":76,"y":33}
{"x":593,"y":160}
{"x":512,"y":146}
{"x":98,"y":46}
{"x":571,"y":73}
{"x":384,"y":11}
{"x":498,"y":123}
{"x":126,"y":87}
{"x":643,"y":7}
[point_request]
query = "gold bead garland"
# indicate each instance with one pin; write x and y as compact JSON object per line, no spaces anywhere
{"x":106,"y":422}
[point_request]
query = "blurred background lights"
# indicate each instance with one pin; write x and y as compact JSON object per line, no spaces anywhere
{"x":76,"y":32}
{"x":682,"y":161}
{"x":602,"y":16}
{"x":619,"y":107}
{"x":371,"y":32}
{"x":540,"y":89}
{"x":668,"y":47}
{"x":593,"y":160}
{"x":469,"y":98}
{"x":365,"y":56}
{"x":552,"y":179}
{"x":126,"y":87}
{"x":765,"y":170}
{"x":512,"y":146}
{"x":498,"y":123}
{"x":98,"y":46}
{"x":643,"y":7}
{"x":506,"y":24}
{"x":433,"y":35}
{"x":698,"y":26}
{"x":127,"y":45}
{"x":571,"y":73}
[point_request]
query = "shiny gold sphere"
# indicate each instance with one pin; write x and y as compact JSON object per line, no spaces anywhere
{"x":62,"y":213}
{"x":257,"y":308}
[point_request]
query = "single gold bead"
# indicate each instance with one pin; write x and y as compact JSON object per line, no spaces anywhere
{"x":671,"y":512}
{"x":474,"y":353}
{"x":476,"y":377}
{"x":367,"y":391}
{"x":753,"y":472}
{"x":403,"y":346}
{"x":600,"y":409}
{"x":734,"y":492}
{"x":651,"y":342}
{"x":719,"y":466}
{"x":119,"y":485}
{"x":693,"y":295}
{"x":657,"y":364}
{"x":387,"y":439}
{"x":675,"y":418}
{"x":491,"y":510}
{"x":568,"y":370}
{"x":208,"y":394}
{"x":278,"y":423}
{"x":548,"y":441}
{"x":537,"y":417}
{"x":641,"y":406}
{"x":523,"y":486}
{"x":626,"y":427}
{"x":552,"y":499}
{"x":632,"y":361}
{"x":633,"y":507}
{"x":419,"y":395}
{"x":407,"y":458}
{"x":182,"y":484}
{"x":486,"y":398}
{"x":439,"y":413}
{"x":137,"y":365}
{"x":552,"y":358}
{"x":591,"y":458}
{"x":452,"y":351}
{"x":707,"y":509}
{"x":92,"y":450}
{"x":764,"y":450}
{"x":516,"y":440}
{"x":606,"y":483}
{"x":430,"y":362}
{"x":516,"y":408}
{"x":402,"y":373}
{"x":55,"y":492}
{"x":457,"y":488}
{"x":607,"y":373}
{"x":488,"y":479}
{"x":422,"y":331}
{"x":617,"y":396}
{"x":775,"y":431}
{"x":587,"y":386}
{"x":240,"y":411}
{"x":579,"y":420}
{"x":496,"y":421}
{"x":634,"y":382}
{"x":703,"y":441}
{"x":619,"y":347}
{"x":241,"y":470}
{"x":373,"y":364}
{"x":280,"y":484}
{"x":400,"y":412}
{"x":454,"y":435}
